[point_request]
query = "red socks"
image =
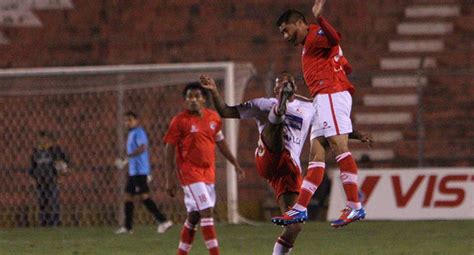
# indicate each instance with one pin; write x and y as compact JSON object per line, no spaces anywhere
{"x":314,"y":177}
{"x":348,"y":176}
{"x":187,"y":237}
{"x":210,"y":236}
{"x":311,"y":181}
{"x":208,"y":233}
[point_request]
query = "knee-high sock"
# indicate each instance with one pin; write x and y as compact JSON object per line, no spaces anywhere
{"x":187,"y":238}
{"x":348,"y":175}
{"x":282,"y":247}
{"x":129,"y":215}
{"x":311,"y":181}
{"x":151,"y":206}
{"x":210,"y":235}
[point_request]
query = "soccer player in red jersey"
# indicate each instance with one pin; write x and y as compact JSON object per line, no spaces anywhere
{"x":190,"y":150}
{"x":324,"y":69}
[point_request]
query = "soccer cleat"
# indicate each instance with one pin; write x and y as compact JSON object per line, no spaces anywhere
{"x":348,"y":215}
{"x":164,"y":226}
{"x":285,"y":93}
{"x":123,"y":230}
{"x":292,"y":216}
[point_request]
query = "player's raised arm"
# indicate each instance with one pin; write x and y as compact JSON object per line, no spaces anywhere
{"x":333,"y":36}
{"x":222,"y":108}
{"x":318,"y":7}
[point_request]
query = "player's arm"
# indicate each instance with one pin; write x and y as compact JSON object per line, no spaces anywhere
{"x":171,"y":139}
{"x":222,"y":108}
{"x":333,"y":36}
{"x":363,"y":137}
{"x":139,"y":150}
{"x":224,"y":149}
{"x":142,"y":140}
{"x":171,"y":185}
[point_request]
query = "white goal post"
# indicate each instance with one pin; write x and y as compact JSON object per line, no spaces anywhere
{"x":118,"y":79}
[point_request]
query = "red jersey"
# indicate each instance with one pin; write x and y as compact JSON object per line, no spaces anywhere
{"x":323,"y":64}
{"x":195,"y":138}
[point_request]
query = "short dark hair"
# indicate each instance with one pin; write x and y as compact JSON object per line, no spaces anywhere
{"x":195,"y":85}
{"x":131,"y":114}
{"x":291,"y":16}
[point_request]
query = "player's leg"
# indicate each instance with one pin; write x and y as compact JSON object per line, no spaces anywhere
{"x":55,"y":207}
{"x":337,"y":112}
{"x":272,"y":137}
{"x":187,"y":232}
{"x":42,"y":204}
{"x":286,"y":240}
{"x":314,"y":173}
{"x":201,"y":197}
{"x":128,"y":207}
{"x":348,"y":175}
{"x":312,"y":180}
{"x":48,"y":201}
{"x":286,"y":184}
{"x":209,"y":231}
{"x":208,"y":201}
{"x":163,"y":223}
{"x":272,"y":134}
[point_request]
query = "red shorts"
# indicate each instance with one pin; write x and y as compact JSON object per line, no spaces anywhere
{"x":279,"y":169}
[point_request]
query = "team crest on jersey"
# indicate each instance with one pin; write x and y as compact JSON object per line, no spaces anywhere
{"x":213,"y":125}
{"x":320,"y":32}
{"x":194,"y":129}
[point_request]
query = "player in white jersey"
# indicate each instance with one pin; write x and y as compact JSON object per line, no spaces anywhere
{"x":283,"y":124}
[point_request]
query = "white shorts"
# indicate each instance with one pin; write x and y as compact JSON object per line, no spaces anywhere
{"x":333,"y":114}
{"x":199,"y":196}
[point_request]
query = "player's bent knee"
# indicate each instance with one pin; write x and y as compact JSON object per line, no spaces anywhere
{"x":194,"y":218}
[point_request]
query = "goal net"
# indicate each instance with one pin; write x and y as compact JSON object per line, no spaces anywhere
{"x":80,"y":110}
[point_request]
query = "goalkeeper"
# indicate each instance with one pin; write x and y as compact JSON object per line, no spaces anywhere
{"x":138,"y":176}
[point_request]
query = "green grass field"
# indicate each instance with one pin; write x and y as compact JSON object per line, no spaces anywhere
{"x":376,"y":237}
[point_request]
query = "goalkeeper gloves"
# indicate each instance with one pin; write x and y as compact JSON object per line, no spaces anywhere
{"x":120,"y":163}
